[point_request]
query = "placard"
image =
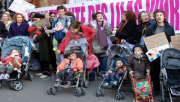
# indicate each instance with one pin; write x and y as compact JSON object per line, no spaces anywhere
{"x":42,"y":23}
{"x":175,"y":41}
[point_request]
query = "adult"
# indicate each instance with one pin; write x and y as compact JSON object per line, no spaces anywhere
{"x":68,"y":13}
{"x":143,"y":18}
{"x":52,"y":15}
{"x":20,"y":27}
{"x":44,"y":50}
{"x":46,"y":14}
{"x":31,"y":20}
{"x":127,"y":26}
{"x":77,"y":30}
{"x":66,"y":21}
{"x":6,"y":19}
{"x":3,"y":31}
{"x":161,"y":26}
{"x":101,"y":42}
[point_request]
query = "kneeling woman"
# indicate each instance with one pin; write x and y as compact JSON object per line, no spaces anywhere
{"x":68,"y":66}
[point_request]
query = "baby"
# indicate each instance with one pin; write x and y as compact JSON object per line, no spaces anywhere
{"x":58,"y":27}
{"x":114,"y":74}
{"x":10,"y":62}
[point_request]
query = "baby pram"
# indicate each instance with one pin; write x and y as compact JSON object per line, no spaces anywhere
{"x":80,"y":47}
{"x":142,"y":90}
{"x":116,"y":52}
{"x":170,"y":73}
{"x":24,"y":45}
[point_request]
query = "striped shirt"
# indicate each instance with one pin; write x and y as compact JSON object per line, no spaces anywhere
{"x":16,"y":30}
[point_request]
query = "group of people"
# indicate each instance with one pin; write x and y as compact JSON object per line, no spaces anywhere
{"x":97,"y":32}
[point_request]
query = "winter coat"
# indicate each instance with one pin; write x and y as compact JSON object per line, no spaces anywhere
{"x":3,"y":30}
{"x":139,"y":66}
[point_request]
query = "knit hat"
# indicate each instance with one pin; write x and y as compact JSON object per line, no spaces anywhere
{"x":159,"y":10}
{"x":37,"y":15}
{"x":138,"y":45}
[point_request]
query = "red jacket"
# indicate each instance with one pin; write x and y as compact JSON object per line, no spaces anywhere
{"x":8,"y":59}
{"x":87,"y":32}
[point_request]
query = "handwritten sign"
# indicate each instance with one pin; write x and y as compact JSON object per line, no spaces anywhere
{"x":158,"y":41}
{"x":175,"y":41}
{"x":42,"y":23}
{"x":21,"y":6}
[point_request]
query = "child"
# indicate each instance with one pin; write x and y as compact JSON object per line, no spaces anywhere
{"x":151,"y":18}
{"x":138,"y":64}
{"x":114,"y":74}
{"x":68,"y":66}
{"x":58,"y":27}
{"x":11,"y":61}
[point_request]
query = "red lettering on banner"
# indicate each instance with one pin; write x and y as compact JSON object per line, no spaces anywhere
{"x":148,"y":3}
{"x":104,"y":10}
{"x":72,"y":10}
{"x":112,"y":14}
{"x":161,"y":4}
{"x":122,"y":10}
{"x":77,"y":10}
{"x":166,"y":9}
{"x":138,"y":4}
{"x":91,"y":10}
{"x":118,"y":13}
{"x":97,"y":7}
{"x":129,"y":5}
{"x":174,"y":14}
{"x":82,"y":14}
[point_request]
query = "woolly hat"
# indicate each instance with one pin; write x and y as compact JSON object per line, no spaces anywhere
{"x":138,"y":45}
{"x":37,"y":15}
{"x":159,"y":10}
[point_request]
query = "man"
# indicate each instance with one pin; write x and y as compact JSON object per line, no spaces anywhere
{"x":66,"y":21}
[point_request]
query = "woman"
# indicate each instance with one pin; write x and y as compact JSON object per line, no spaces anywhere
{"x":44,"y":50}
{"x":3,"y":31}
{"x":6,"y":19}
{"x":77,"y":30}
{"x":46,"y":14}
{"x":101,"y":41}
{"x":127,"y":26}
{"x":52,"y":15}
{"x":161,"y":26}
{"x":20,"y":27}
{"x":143,"y":18}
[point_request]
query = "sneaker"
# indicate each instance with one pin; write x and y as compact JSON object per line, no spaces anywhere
{"x":106,"y":84}
{"x":6,"y":76}
{"x":44,"y":76}
{"x":39,"y":74}
{"x":115,"y":83}
{"x":1,"y":76}
{"x":68,"y":85}
{"x":56,"y":84}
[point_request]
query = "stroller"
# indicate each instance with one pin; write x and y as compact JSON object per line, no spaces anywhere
{"x":24,"y":45}
{"x":116,"y":52}
{"x":170,"y":77}
{"x":142,"y":90}
{"x":80,"y":47}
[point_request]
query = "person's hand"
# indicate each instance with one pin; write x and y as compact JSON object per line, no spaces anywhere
{"x":131,"y":73}
{"x":106,"y":23}
{"x":58,"y":51}
{"x":113,"y":32}
{"x":123,"y":41}
{"x":114,"y":29}
{"x":148,"y":71}
{"x":69,"y":22}
{"x":110,"y":72}
{"x":0,"y":38}
{"x":87,"y":24}
{"x":81,"y":71}
{"x":93,"y":24}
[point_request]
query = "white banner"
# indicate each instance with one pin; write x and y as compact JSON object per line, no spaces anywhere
{"x":80,"y":1}
{"x":113,"y":9}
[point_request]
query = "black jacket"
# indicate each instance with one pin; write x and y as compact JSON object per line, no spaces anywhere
{"x":127,"y":31}
{"x":169,"y":31}
{"x":3,"y":30}
{"x":136,"y":38}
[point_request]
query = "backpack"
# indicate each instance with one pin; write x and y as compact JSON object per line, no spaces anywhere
{"x":92,"y":62}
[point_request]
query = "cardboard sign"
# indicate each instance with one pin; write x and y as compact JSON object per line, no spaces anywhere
{"x":175,"y":41}
{"x":158,"y":41}
{"x":153,"y":54}
{"x":42,"y":23}
{"x":21,"y":6}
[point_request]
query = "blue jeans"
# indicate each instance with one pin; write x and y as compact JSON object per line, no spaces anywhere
{"x":113,"y":77}
{"x":102,"y":67}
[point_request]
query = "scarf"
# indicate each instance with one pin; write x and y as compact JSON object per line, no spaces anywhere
{"x":102,"y":37}
{"x":121,"y":26}
{"x":144,"y":25}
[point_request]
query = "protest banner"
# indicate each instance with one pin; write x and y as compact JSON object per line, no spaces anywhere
{"x":42,"y":23}
{"x":175,"y":41}
{"x":113,"y":9}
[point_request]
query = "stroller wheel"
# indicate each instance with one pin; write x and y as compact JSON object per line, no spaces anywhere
{"x":118,"y":96}
{"x":83,"y":92}
{"x":77,"y":92}
{"x":11,"y":85}
{"x":122,"y":95}
{"x":18,"y":85}
{"x":86,"y":83}
{"x":55,"y":90}
{"x":98,"y":93}
{"x":30,"y":76}
{"x":49,"y":91}
{"x":102,"y":92}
